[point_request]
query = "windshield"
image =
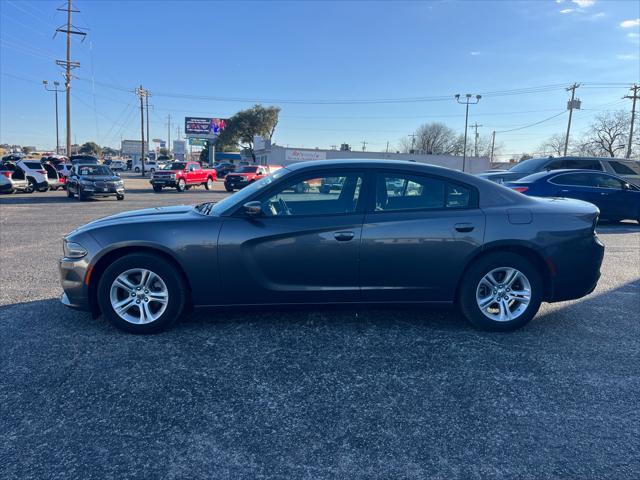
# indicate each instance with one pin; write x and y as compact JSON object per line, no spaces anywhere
{"x":175,"y":166}
{"x":529,"y":166}
{"x":94,"y":170}
{"x":248,"y":170}
{"x":238,"y":198}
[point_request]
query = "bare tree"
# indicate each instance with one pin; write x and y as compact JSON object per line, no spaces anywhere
{"x":554,"y":145}
{"x":431,"y":138}
{"x":608,"y":133}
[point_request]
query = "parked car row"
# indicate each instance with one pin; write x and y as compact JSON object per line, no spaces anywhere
{"x":612,"y":184}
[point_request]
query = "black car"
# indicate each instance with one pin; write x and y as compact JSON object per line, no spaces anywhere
{"x":89,"y":180}
{"x":222,"y":169}
{"x":446,"y":237}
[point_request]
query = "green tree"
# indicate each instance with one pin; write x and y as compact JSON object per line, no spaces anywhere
{"x":163,"y":151}
{"x":109,"y":152}
{"x":244,"y":125}
{"x":90,"y":148}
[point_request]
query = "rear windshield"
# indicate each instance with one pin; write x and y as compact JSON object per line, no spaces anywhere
{"x":34,"y":165}
{"x":529,"y":166}
{"x":94,"y":170}
{"x":248,"y":170}
{"x":175,"y":166}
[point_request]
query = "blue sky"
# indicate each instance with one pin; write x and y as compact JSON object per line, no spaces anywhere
{"x":319,"y":52}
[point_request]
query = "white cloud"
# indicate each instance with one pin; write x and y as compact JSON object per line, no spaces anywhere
{"x":566,"y":10}
{"x":598,"y":15}
{"x":627,"y":56}
{"x":559,"y":1}
{"x":474,"y":53}
{"x":630,"y":23}
{"x":584,"y":3}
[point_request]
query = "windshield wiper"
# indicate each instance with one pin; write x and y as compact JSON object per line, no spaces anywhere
{"x":205,"y":208}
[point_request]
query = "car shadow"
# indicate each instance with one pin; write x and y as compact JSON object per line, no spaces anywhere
{"x":553,"y":320}
{"x":33,"y":199}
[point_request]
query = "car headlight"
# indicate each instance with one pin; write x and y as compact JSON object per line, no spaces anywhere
{"x":73,"y":250}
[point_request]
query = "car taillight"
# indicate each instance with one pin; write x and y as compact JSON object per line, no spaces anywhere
{"x":520,"y":189}
{"x":6,"y":174}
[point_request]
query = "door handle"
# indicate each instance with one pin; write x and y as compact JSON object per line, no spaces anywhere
{"x":343,"y":236}
{"x":464,"y":227}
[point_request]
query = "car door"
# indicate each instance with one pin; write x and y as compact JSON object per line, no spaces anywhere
{"x":303,"y":248}
{"x":576,"y":185}
{"x":612,"y":198}
{"x":417,"y":237}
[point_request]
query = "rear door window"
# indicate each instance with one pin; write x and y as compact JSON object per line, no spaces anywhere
{"x":573,"y":179}
{"x":622,"y":169}
{"x":405,"y":191}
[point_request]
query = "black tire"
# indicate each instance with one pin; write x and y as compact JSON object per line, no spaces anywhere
{"x":137,"y":169}
{"x":157,"y":188}
{"x":471,"y":280}
{"x":228,"y":189}
{"x":181,"y":186}
{"x":32,"y":185}
{"x":169,"y":275}
{"x":81,"y":196}
{"x":70,"y":194}
{"x":209,"y":184}
{"x":119,"y":197}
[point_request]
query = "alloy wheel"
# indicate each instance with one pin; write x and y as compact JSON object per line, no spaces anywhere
{"x":139,"y":296}
{"x":503,"y":294}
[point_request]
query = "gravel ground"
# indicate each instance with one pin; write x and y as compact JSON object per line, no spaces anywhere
{"x":359,"y":393}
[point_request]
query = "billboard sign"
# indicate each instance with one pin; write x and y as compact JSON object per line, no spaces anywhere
{"x":304,"y":155}
{"x":132,"y":147}
{"x":178,"y":147}
{"x":198,"y":142}
{"x":203,"y":127}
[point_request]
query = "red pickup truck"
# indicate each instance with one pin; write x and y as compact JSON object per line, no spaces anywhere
{"x":247,"y":174}
{"x":182,"y":176}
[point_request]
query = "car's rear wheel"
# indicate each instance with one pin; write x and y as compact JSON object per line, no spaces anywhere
{"x":501,"y":291}
{"x":141,"y":293}
{"x":209,"y":184}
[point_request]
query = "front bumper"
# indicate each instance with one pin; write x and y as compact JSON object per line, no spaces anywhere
{"x":577,"y":270}
{"x":169,"y":182}
{"x":72,"y":279}
{"x":102,"y":192}
{"x":236,"y":183}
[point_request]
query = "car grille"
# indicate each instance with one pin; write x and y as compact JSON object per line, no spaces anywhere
{"x":100,"y":184}
{"x":234,"y":178}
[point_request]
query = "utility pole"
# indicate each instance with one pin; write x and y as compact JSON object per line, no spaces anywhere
{"x":493,"y":144}
{"x":146,"y":101}
{"x":572,"y":104}
{"x":413,"y":141}
{"x":56,"y":90}
{"x":475,"y":146}
{"x":466,"y":102}
{"x":169,"y":133}
{"x":68,"y":64}
{"x":364,"y":145}
{"x":387,"y":149}
{"x":634,"y":97}
{"x":142,"y":93}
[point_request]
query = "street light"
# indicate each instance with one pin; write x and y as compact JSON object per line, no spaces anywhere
{"x":466,"y":102}
{"x":55,"y":89}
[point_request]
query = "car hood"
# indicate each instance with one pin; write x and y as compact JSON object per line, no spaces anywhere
{"x":177,"y":213}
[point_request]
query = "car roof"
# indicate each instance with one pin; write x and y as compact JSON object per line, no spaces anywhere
{"x":552,"y":173}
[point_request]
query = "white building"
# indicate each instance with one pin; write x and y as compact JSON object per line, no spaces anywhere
{"x":277,"y":155}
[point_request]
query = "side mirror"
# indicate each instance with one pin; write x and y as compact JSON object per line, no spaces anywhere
{"x":117,"y":174}
{"x":252,"y":209}
{"x":626,"y":186}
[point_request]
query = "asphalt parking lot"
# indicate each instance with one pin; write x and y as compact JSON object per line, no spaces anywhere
{"x":359,"y":393}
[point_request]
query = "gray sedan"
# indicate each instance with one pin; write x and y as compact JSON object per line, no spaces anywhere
{"x":390,"y":232}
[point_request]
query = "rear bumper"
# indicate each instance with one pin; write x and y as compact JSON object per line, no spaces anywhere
{"x":577,"y":270}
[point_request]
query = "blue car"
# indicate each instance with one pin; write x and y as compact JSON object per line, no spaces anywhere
{"x":616,"y":198}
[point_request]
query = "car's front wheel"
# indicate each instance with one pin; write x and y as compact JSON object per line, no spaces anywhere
{"x":141,"y":293}
{"x":501,"y":291}
{"x":69,"y":193}
{"x":157,"y":188}
{"x":181,"y":186}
